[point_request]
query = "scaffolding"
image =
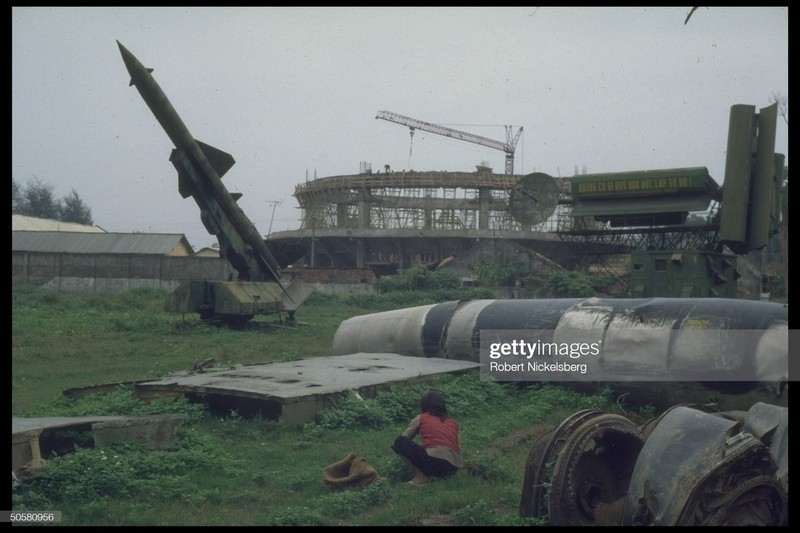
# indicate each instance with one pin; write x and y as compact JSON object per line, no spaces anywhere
{"x":413,"y":200}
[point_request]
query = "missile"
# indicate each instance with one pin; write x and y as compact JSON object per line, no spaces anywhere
{"x":712,"y":342}
{"x":200,"y":169}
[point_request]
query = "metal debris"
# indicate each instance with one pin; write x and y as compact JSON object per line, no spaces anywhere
{"x":687,"y":467}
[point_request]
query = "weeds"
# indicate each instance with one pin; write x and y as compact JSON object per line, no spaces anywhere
{"x":236,"y":470}
{"x":119,"y":402}
{"x":130,"y":471}
{"x":478,"y":513}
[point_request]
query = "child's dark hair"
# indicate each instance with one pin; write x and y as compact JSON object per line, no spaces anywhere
{"x":432,"y":402}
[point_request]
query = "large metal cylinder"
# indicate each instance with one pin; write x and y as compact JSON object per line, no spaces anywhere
{"x":452,"y":329}
{"x":656,"y":339}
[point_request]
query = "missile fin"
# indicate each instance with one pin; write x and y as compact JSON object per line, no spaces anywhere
{"x":132,"y":83}
{"x":221,"y":161}
{"x":185,"y":185}
{"x":236,"y":196}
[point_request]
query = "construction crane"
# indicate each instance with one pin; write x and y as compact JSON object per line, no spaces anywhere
{"x":508,"y":147}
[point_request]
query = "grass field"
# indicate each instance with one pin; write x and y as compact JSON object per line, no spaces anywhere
{"x":231,"y":470}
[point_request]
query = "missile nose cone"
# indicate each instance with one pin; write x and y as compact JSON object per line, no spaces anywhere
{"x":134,"y":66}
{"x":124,"y":51}
{"x":129,"y":59}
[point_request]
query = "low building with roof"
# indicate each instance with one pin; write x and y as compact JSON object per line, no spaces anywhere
{"x":77,"y":261}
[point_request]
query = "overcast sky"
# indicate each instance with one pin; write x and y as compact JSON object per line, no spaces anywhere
{"x":292,"y":94}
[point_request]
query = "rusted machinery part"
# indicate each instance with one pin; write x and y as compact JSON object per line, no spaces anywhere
{"x":647,"y":428}
{"x":698,"y":468}
{"x":533,"y":503}
{"x":593,"y":467}
{"x":770,"y":424}
{"x":727,"y":500}
{"x":584,"y":462}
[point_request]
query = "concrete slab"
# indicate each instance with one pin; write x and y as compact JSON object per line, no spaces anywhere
{"x":294,"y":391}
{"x":21,"y":425}
{"x":34,"y":438}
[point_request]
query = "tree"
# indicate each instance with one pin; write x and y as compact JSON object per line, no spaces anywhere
{"x":39,"y":201}
{"x":783,"y":106}
{"x":74,"y":210}
{"x":16,"y":196}
{"x":36,"y":199}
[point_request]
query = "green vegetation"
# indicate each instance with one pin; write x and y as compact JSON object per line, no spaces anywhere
{"x":419,"y":278}
{"x":36,"y":199}
{"x":503,"y":272}
{"x":232,"y":470}
{"x":561,"y":284}
{"x":573,"y":285}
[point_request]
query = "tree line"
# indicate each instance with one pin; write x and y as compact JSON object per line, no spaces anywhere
{"x":37,"y":199}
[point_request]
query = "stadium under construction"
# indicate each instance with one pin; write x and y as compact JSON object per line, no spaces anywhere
{"x":664,"y":232}
{"x":392,"y":220}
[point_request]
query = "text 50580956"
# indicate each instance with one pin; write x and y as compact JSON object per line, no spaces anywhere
{"x":30,"y":516}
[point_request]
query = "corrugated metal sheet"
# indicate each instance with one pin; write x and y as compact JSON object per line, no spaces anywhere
{"x":25,"y":223}
{"x":99,"y":243}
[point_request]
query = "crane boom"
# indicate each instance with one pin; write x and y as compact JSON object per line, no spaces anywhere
{"x":508,"y":147}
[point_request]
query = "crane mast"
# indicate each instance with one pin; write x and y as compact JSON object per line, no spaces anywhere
{"x":508,"y":147}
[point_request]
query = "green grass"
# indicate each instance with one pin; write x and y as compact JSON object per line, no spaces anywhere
{"x":78,"y":340}
{"x":230,"y":470}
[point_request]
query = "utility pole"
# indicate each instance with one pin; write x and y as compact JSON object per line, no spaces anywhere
{"x":313,"y":241}
{"x":274,"y":203}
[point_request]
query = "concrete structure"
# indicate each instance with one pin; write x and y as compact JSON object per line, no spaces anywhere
{"x":395,"y":219}
{"x":341,"y":282}
{"x":295,"y":391}
{"x":35,"y":439}
{"x":392,"y":220}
